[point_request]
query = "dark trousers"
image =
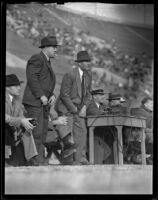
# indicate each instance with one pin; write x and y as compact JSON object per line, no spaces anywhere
{"x":80,"y":138}
{"x":40,"y":131}
{"x":17,"y":158}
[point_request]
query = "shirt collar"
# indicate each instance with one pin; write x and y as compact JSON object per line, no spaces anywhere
{"x":11,"y":97}
{"x":80,"y":72}
{"x":97,"y":104}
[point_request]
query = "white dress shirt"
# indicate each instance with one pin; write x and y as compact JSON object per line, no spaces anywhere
{"x":11,"y":97}
{"x":97,"y":104}
{"x":81,"y":73}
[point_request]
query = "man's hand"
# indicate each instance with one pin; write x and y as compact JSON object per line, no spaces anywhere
{"x":53,"y":113}
{"x":44,"y":100}
{"x":52,"y":100}
{"x":82,"y":112}
{"x":26,"y":124}
{"x":62,"y":120}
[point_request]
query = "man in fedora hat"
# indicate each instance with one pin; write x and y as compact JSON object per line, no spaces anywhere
{"x":73,"y":100}
{"x":19,"y":143}
{"x":98,"y":106}
{"x":39,"y":91}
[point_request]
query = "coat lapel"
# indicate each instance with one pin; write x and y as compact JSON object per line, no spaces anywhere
{"x":17,"y":108}
{"x":48,"y":65}
{"x":9,"y":107}
{"x":78,"y":82}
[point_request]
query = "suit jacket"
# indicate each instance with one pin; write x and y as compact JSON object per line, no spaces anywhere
{"x":142,"y":112}
{"x":40,"y":80}
{"x":93,"y":109}
{"x":119,"y":109}
{"x":13,"y":113}
{"x":71,"y":92}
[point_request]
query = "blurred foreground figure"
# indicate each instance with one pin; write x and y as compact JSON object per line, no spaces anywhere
{"x":20,"y":148}
{"x":59,"y":138}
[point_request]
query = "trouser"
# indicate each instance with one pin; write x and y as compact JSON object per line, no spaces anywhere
{"x":17,"y":157}
{"x":40,"y":131}
{"x":80,"y":138}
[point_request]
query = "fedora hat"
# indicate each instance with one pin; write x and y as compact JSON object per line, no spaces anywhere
{"x":83,"y":56}
{"x":98,"y":91}
{"x":49,"y":41}
{"x":12,"y":80}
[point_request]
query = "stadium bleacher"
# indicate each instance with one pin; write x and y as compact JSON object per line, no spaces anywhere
{"x":122,"y":50}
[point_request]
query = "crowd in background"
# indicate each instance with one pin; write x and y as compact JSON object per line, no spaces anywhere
{"x":105,"y":54}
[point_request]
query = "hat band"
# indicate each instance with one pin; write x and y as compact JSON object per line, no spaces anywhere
{"x":14,"y":84}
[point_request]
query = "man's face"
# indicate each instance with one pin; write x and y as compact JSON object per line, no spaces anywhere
{"x":149,"y":105}
{"x":99,"y":98}
{"x":52,"y":51}
{"x":85,"y":66}
{"x":14,"y":90}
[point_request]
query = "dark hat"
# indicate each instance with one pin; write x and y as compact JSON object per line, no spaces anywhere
{"x":83,"y":56}
{"x":12,"y":80}
{"x":49,"y":41}
{"x":116,"y":97}
{"x":98,"y":91}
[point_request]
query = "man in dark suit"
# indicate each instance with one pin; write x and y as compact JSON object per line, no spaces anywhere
{"x":145,"y":110}
{"x":39,"y":90}
{"x":73,"y":100}
{"x":99,"y":106}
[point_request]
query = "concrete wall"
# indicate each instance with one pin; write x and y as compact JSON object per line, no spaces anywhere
{"x":135,"y":14}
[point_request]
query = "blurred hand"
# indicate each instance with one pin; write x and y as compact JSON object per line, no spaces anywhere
{"x":26,"y":124}
{"x":53,"y":113}
{"x":52,"y":100}
{"x":62,"y":120}
{"x":82,"y":112}
{"x":44,"y":100}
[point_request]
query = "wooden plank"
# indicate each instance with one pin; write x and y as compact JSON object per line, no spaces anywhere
{"x":116,"y":121}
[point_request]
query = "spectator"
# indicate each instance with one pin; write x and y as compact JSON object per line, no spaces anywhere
{"x":20,"y":148}
{"x":98,"y":106}
{"x":39,"y":90}
{"x":146,"y":110}
{"x":73,"y":100}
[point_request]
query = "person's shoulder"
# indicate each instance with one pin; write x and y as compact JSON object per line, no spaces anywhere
{"x":35,"y":57}
{"x":119,"y":109}
{"x":91,"y":104}
{"x":70,"y":73}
